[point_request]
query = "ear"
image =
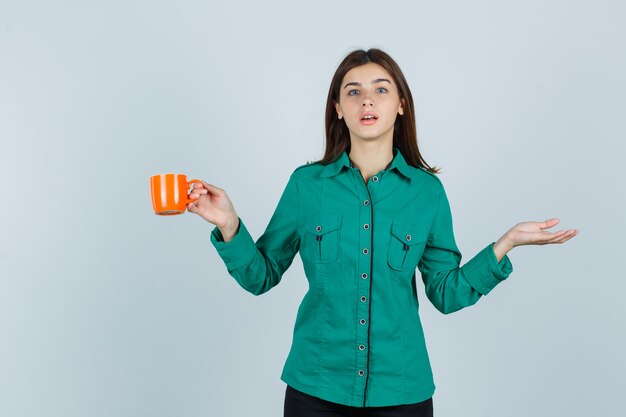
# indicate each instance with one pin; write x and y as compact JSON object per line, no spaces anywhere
{"x":401,"y":107}
{"x":338,"y":110}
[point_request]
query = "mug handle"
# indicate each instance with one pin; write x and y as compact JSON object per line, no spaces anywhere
{"x":189,"y":200}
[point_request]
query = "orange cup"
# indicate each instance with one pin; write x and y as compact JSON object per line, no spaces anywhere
{"x":170,"y":193}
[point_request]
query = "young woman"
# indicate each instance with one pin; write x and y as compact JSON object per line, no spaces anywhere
{"x":363,"y":218}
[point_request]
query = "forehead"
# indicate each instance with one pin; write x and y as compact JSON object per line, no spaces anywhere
{"x":366,"y":73}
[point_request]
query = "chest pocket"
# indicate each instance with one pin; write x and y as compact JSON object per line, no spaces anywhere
{"x":321,"y":238}
{"x":406,"y":245}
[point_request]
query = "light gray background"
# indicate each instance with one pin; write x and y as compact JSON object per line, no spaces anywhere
{"x":109,"y":310}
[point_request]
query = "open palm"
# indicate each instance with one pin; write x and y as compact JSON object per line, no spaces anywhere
{"x":535,"y":233}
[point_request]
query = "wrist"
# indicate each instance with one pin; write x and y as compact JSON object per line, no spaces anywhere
{"x":503,"y":245}
{"x":229,"y":228}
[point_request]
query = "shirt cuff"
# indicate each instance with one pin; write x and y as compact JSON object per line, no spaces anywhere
{"x":236,"y":252}
{"x":484,"y":272}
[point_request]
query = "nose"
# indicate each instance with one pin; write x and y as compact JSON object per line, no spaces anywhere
{"x":367,"y":100}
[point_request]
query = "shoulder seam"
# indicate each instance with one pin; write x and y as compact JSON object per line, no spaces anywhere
{"x":435,"y":176}
{"x":305,"y":165}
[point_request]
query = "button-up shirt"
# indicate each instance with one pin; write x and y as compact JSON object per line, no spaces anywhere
{"x":358,"y":338}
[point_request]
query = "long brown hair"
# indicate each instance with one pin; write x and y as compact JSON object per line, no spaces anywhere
{"x":404,"y":132}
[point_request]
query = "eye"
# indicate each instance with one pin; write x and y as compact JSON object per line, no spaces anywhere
{"x":353,"y":91}
{"x":384,"y":90}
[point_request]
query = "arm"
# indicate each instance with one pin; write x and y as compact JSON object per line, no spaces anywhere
{"x":448,"y":286}
{"x":258,"y":267}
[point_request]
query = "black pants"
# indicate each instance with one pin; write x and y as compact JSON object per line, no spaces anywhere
{"x":299,"y":404}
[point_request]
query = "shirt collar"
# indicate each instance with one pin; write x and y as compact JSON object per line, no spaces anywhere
{"x":398,"y":162}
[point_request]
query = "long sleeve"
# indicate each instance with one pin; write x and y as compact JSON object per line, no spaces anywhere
{"x":258,"y":267}
{"x":448,"y":286}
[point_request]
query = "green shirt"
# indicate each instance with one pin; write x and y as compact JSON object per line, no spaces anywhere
{"x":358,"y":339}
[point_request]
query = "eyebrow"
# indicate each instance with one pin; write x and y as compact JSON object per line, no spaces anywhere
{"x":377,"y":80}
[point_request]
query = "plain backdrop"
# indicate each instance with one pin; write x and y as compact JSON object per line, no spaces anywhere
{"x":109,"y":310}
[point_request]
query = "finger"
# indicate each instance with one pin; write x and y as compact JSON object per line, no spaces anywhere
{"x":564,"y":239}
{"x":198,"y":188}
{"x":559,"y":237}
{"x":549,"y":223}
{"x":212,"y":188}
{"x":545,"y":237}
{"x":570,"y":234}
{"x":557,"y":234}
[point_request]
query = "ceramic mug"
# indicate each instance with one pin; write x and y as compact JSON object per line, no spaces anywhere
{"x":170,"y":193}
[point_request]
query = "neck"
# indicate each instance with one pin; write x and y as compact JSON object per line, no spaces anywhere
{"x":370,"y":158}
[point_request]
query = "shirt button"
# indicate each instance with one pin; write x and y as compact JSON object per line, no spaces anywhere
{"x":363,"y":299}
{"x":408,"y":237}
{"x":375,"y":178}
{"x":361,"y":373}
{"x":361,"y":347}
{"x":363,"y":321}
{"x":366,"y":202}
{"x":366,"y":226}
{"x":364,"y":275}
{"x":318,"y":228}
{"x":365,"y":251}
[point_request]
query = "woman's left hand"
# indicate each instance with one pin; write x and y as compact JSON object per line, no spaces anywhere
{"x":535,"y":233}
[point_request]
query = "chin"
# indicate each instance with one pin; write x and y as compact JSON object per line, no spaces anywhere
{"x":371,"y":135}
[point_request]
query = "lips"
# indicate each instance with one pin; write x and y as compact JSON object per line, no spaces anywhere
{"x":368,"y":118}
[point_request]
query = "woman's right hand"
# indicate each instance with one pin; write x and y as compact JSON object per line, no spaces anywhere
{"x":212,"y":204}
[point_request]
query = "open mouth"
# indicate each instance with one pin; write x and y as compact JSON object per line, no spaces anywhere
{"x":368,"y":119}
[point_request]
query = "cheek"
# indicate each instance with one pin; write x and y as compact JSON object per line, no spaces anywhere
{"x":350,"y":109}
